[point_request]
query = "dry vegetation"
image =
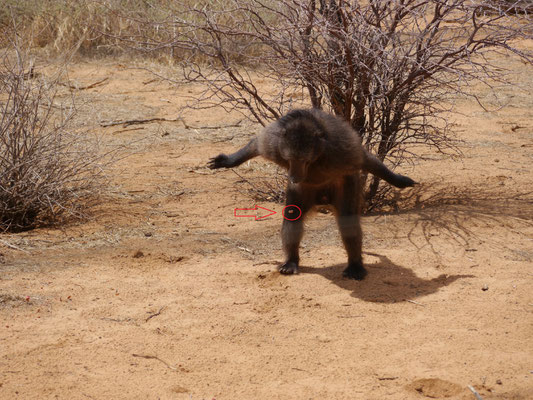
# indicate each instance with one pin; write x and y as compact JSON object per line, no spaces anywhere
{"x":392,"y":69}
{"x":92,"y":27}
{"x":50,"y":169}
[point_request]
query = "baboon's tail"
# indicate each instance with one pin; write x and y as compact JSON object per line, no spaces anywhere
{"x":373,"y":165}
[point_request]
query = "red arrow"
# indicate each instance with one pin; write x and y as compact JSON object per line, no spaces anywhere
{"x":254,"y":209}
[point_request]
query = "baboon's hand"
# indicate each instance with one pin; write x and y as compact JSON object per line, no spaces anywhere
{"x":404,"y":181}
{"x":220,"y":161}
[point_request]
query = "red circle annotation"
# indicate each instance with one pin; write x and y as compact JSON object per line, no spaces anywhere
{"x":291,"y":211}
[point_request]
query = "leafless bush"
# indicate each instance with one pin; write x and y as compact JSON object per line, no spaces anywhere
{"x":267,"y":188}
{"x":48,"y":171}
{"x":391,"y":68}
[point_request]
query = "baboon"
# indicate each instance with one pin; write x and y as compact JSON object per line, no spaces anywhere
{"x":324,"y":157}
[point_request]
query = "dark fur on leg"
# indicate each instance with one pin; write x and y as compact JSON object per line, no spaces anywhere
{"x":355,"y":271}
{"x":323,"y":156}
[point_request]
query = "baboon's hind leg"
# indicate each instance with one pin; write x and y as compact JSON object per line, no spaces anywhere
{"x":292,"y":231}
{"x":348,"y":210}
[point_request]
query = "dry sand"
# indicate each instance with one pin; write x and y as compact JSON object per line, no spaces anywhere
{"x":164,"y":294}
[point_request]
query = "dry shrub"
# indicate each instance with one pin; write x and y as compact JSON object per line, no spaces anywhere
{"x":392,"y":69}
{"x":269,"y":187}
{"x":48,"y":170}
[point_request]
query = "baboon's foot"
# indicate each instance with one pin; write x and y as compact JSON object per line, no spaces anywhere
{"x":355,"y":271}
{"x":289,"y":268}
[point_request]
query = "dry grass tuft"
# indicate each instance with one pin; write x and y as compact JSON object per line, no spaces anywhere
{"x":93,"y":27}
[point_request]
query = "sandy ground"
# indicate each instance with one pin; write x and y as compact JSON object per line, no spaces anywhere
{"x":164,"y":294}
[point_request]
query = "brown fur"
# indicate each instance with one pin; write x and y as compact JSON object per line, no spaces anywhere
{"x":324,"y":157}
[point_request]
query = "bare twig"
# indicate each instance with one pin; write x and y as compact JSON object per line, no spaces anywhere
{"x":116,"y":319}
{"x":476,"y":394}
{"x":150,"y":81}
{"x":127,"y":130}
{"x":155,"y":314}
{"x":298,"y":369}
{"x":416,"y":302}
{"x":127,"y":123}
{"x":149,"y":357}
{"x":12,"y":246}
{"x":235,"y":125}
{"x":92,"y":85}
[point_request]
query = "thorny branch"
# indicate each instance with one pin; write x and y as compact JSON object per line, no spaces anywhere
{"x":48,"y":169}
{"x":391,"y":68}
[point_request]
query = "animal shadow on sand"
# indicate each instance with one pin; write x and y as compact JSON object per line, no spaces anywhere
{"x":386,"y":282}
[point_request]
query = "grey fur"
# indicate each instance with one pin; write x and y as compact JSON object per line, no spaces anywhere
{"x":324,"y":157}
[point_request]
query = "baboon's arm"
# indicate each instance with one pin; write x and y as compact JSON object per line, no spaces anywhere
{"x":228,"y":161}
{"x":374,"y":165}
